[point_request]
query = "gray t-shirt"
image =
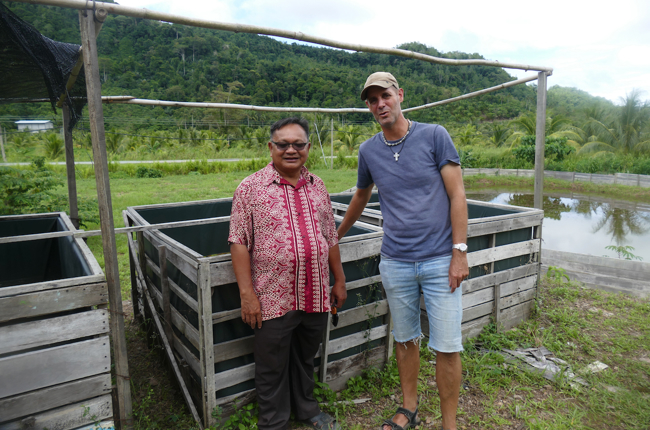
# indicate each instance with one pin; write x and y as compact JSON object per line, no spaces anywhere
{"x":412,"y":195}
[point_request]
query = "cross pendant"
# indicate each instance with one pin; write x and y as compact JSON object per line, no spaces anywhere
{"x":396,"y":155}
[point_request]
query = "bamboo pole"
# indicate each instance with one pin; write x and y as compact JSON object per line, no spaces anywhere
{"x":96,"y":117}
{"x":540,"y":137}
{"x":125,"y":230}
{"x":474,"y":94}
{"x":134,"y":12}
{"x":69,"y":164}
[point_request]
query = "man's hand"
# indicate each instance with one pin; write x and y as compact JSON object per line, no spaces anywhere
{"x":339,"y":294}
{"x":458,"y":269}
{"x":251,"y":311}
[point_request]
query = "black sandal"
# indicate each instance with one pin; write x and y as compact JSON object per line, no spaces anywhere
{"x":412,"y":416}
{"x":323,"y":421}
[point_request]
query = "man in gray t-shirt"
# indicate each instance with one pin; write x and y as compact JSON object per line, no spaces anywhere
{"x":416,"y":169}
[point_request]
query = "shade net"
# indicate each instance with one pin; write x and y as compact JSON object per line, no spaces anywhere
{"x":33,"y":66}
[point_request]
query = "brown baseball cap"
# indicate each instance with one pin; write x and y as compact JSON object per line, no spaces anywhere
{"x":379,"y":79}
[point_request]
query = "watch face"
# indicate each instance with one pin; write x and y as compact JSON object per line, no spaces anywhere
{"x":461,"y":247}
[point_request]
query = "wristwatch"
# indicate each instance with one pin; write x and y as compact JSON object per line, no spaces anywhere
{"x":462,"y":247}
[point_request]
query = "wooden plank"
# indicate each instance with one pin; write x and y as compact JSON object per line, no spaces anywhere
{"x":486,"y":281}
{"x":497,"y":305}
{"x":324,"y":349}
{"x":346,"y":342}
{"x":185,"y":263}
{"x":183,"y":326}
{"x":54,"y":397}
{"x":46,"y":367}
{"x":50,"y":285}
{"x":189,"y":300}
{"x":204,"y":290}
{"x":515,"y":299}
{"x":233,"y":377}
{"x":219,"y":317}
{"x":135,"y":294}
{"x":513,"y":316}
{"x":361,"y":313}
{"x":19,"y":337}
{"x":52,"y":301}
{"x":234,"y":348}
{"x":475,"y":327}
{"x":181,"y":249}
{"x":69,"y":164}
{"x":230,"y":404}
{"x":478,"y":311}
{"x":222,"y":274}
{"x":109,"y":246}
{"x":515,"y":223}
{"x":166,"y":296}
{"x":67,"y":417}
{"x":478,"y":297}
{"x":359,"y":250}
{"x":340,"y":371}
{"x":353,"y":285}
{"x":517,"y":249}
{"x":186,"y":355}
{"x":517,"y":286}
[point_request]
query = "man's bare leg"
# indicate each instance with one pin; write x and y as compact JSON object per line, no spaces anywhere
{"x":448,"y":376}
{"x":408,"y":365}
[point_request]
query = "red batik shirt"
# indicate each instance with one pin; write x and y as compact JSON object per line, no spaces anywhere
{"x":288,"y":232}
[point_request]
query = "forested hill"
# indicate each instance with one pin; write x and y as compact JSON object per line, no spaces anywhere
{"x":155,"y":60}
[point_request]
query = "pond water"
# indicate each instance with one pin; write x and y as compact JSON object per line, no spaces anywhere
{"x":585,"y":224}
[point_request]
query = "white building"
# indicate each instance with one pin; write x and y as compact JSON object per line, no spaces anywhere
{"x":34,"y":125}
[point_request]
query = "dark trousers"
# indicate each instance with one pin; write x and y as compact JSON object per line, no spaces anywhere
{"x":284,"y":367}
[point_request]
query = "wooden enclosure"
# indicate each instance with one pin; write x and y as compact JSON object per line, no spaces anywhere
{"x":55,"y":357}
{"x":504,"y":257}
{"x":183,"y":280}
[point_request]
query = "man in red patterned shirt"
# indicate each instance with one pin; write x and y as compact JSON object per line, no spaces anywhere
{"x":283,"y":242}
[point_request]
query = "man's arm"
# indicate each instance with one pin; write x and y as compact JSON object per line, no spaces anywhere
{"x":357,"y":205}
{"x":251,"y":311}
{"x":452,"y":177}
{"x":339,"y":293}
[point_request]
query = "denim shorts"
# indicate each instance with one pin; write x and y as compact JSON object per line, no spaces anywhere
{"x":404,"y":282}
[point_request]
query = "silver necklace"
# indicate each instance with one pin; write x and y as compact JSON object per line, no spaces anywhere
{"x":390,"y":145}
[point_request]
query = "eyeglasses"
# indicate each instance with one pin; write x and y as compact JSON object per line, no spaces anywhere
{"x":283,"y":146}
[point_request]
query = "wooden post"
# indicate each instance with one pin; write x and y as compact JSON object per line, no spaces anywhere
{"x":96,"y":117}
{"x":332,"y":141}
{"x":135,"y":294}
{"x":69,"y":164}
{"x":2,"y":144}
{"x":322,"y":369}
{"x":164,"y":283}
{"x":206,"y":342}
{"x":390,"y":340}
{"x":540,"y":137}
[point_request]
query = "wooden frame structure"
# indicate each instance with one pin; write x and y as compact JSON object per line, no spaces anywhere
{"x":194,"y":302}
{"x":504,"y":271}
{"x":91,"y":13}
{"x":54,"y":354}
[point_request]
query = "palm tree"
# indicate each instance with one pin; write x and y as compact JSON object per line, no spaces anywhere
{"x":349,"y":137}
{"x":499,"y":134}
{"x":54,"y":147}
{"x":627,"y":130}
{"x":556,"y":126}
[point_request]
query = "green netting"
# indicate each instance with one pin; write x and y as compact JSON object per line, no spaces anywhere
{"x":38,"y":260}
{"x":33,"y":66}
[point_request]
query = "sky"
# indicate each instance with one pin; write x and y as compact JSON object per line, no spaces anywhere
{"x":598,"y":46}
